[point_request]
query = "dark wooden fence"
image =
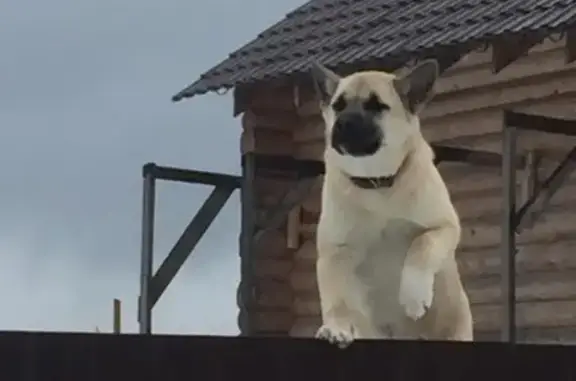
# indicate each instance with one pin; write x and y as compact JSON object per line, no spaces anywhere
{"x":107,"y":357}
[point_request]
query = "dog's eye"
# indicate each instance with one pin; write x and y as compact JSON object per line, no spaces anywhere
{"x":339,"y":105}
{"x":373,"y":104}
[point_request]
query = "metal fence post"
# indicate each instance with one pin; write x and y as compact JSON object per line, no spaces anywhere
{"x":246,"y":288}
{"x":147,"y":258}
{"x":508,"y":231}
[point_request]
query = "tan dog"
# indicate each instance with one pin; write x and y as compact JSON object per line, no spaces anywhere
{"x":388,"y":230}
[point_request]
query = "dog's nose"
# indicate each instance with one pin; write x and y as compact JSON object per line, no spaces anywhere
{"x":356,"y":135}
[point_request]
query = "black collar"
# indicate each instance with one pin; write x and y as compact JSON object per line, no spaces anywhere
{"x":373,"y":182}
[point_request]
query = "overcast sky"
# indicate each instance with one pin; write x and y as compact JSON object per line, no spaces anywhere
{"x":85,"y":91}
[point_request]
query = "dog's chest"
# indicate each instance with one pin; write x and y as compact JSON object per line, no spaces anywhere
{"x":386,"y":253}
{"x":382,"y":269}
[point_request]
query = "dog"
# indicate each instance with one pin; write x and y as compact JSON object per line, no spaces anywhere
{"x":388,"y":231}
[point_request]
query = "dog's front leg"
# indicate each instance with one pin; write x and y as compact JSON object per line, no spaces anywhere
{"x":424,"y":259}
{"x":341,"y":293}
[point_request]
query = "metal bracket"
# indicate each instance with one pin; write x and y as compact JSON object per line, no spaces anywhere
{"x":538,"y":203}
{"x":188,"y":241}
{"x":512,"y":219}
{"x":152,"y":286}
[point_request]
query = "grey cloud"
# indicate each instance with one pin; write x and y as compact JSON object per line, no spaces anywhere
{"x":85,"y":93}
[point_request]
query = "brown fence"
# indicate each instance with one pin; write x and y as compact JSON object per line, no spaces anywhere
{"x":108,"y":357}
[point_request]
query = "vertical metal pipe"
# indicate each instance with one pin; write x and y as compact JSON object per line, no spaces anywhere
{"x":247,"y":230}
{"x":149,"y":195}
{"x":117,"y":316}
{"x":508,"y":239}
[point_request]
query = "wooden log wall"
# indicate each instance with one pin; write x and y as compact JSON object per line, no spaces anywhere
{"x":467,"y":113}
{"x":266,"y":133}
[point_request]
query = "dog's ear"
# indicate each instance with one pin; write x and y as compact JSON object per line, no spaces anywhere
{"x":325,"y":82}
{"x":416,"y":86}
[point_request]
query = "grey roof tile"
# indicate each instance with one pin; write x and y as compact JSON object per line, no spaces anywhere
{"x":349,"y":32}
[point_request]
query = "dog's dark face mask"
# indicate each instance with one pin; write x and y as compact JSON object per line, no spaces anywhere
{"x":356,"y":131}
{"x":370,"y":116}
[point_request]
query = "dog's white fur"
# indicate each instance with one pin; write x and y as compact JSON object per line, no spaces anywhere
{"x":386,"y":265}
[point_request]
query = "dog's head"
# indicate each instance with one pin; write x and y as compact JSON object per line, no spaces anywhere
{"x":371,"y":115}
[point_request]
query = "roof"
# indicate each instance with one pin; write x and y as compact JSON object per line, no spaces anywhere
{"x":349,"y":32}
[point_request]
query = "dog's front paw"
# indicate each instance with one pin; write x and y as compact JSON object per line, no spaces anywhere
{"x":416,"y":291}
{"x":340,"y":334}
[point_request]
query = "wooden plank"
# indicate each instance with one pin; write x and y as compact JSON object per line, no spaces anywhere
{"x":474,"y":59}
{"x":285,"y":98}
{"x":550,"y":314}
{"x":269,"y":190}
{"x":480,"y":236}
{"x":534,"y":335}
{"x":531,"y":314}
{"x":504,"y":95}
{"x":481,"y":202}
{"x":267,"y":141}
{"x":486,"y":134}
{"x":550,"y":228}
{"x":452,"y":128}
{"x":486,"y":208}
{"x":463,"y":180}
{"x":533,"y":64}
{"x":555,"y":256}
{"x":307,"y":251}
{"x":549,"y":282}
{"x":268,"y":131}
{"x":312,"y":128}
{"x":537,"y":306}
{"x":305,"y":326}
{"x":547,"y":256}
{"x":277,"y":121}
{"x":270,"y":97}
{"x":306,"y":305}
{"x":547,"y":144}
{"x":303,"y":278}
{"x":466,"y":181}
{"x":551,"y":145}
{"x":487,"y":316}
{"x":273,"y":294}
{"x":508,"y":48}
{"x":293,"y":228}
{"x":485,"y":205}
{"x":530,"y":78}
{"x":530,"y":287}
{"x":313,"y":149}
{"x":278,"y":269}
{"x":272,"y":321}
{"x":272,"y":245}
{"x":472,"y":70}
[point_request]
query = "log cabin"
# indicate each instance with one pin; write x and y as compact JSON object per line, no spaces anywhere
{"x":495,"y":55}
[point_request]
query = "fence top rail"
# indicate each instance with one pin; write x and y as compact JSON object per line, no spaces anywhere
{"x":107,"y":356}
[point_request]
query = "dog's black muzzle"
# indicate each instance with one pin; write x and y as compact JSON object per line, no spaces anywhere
{"x":356,"y":134}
